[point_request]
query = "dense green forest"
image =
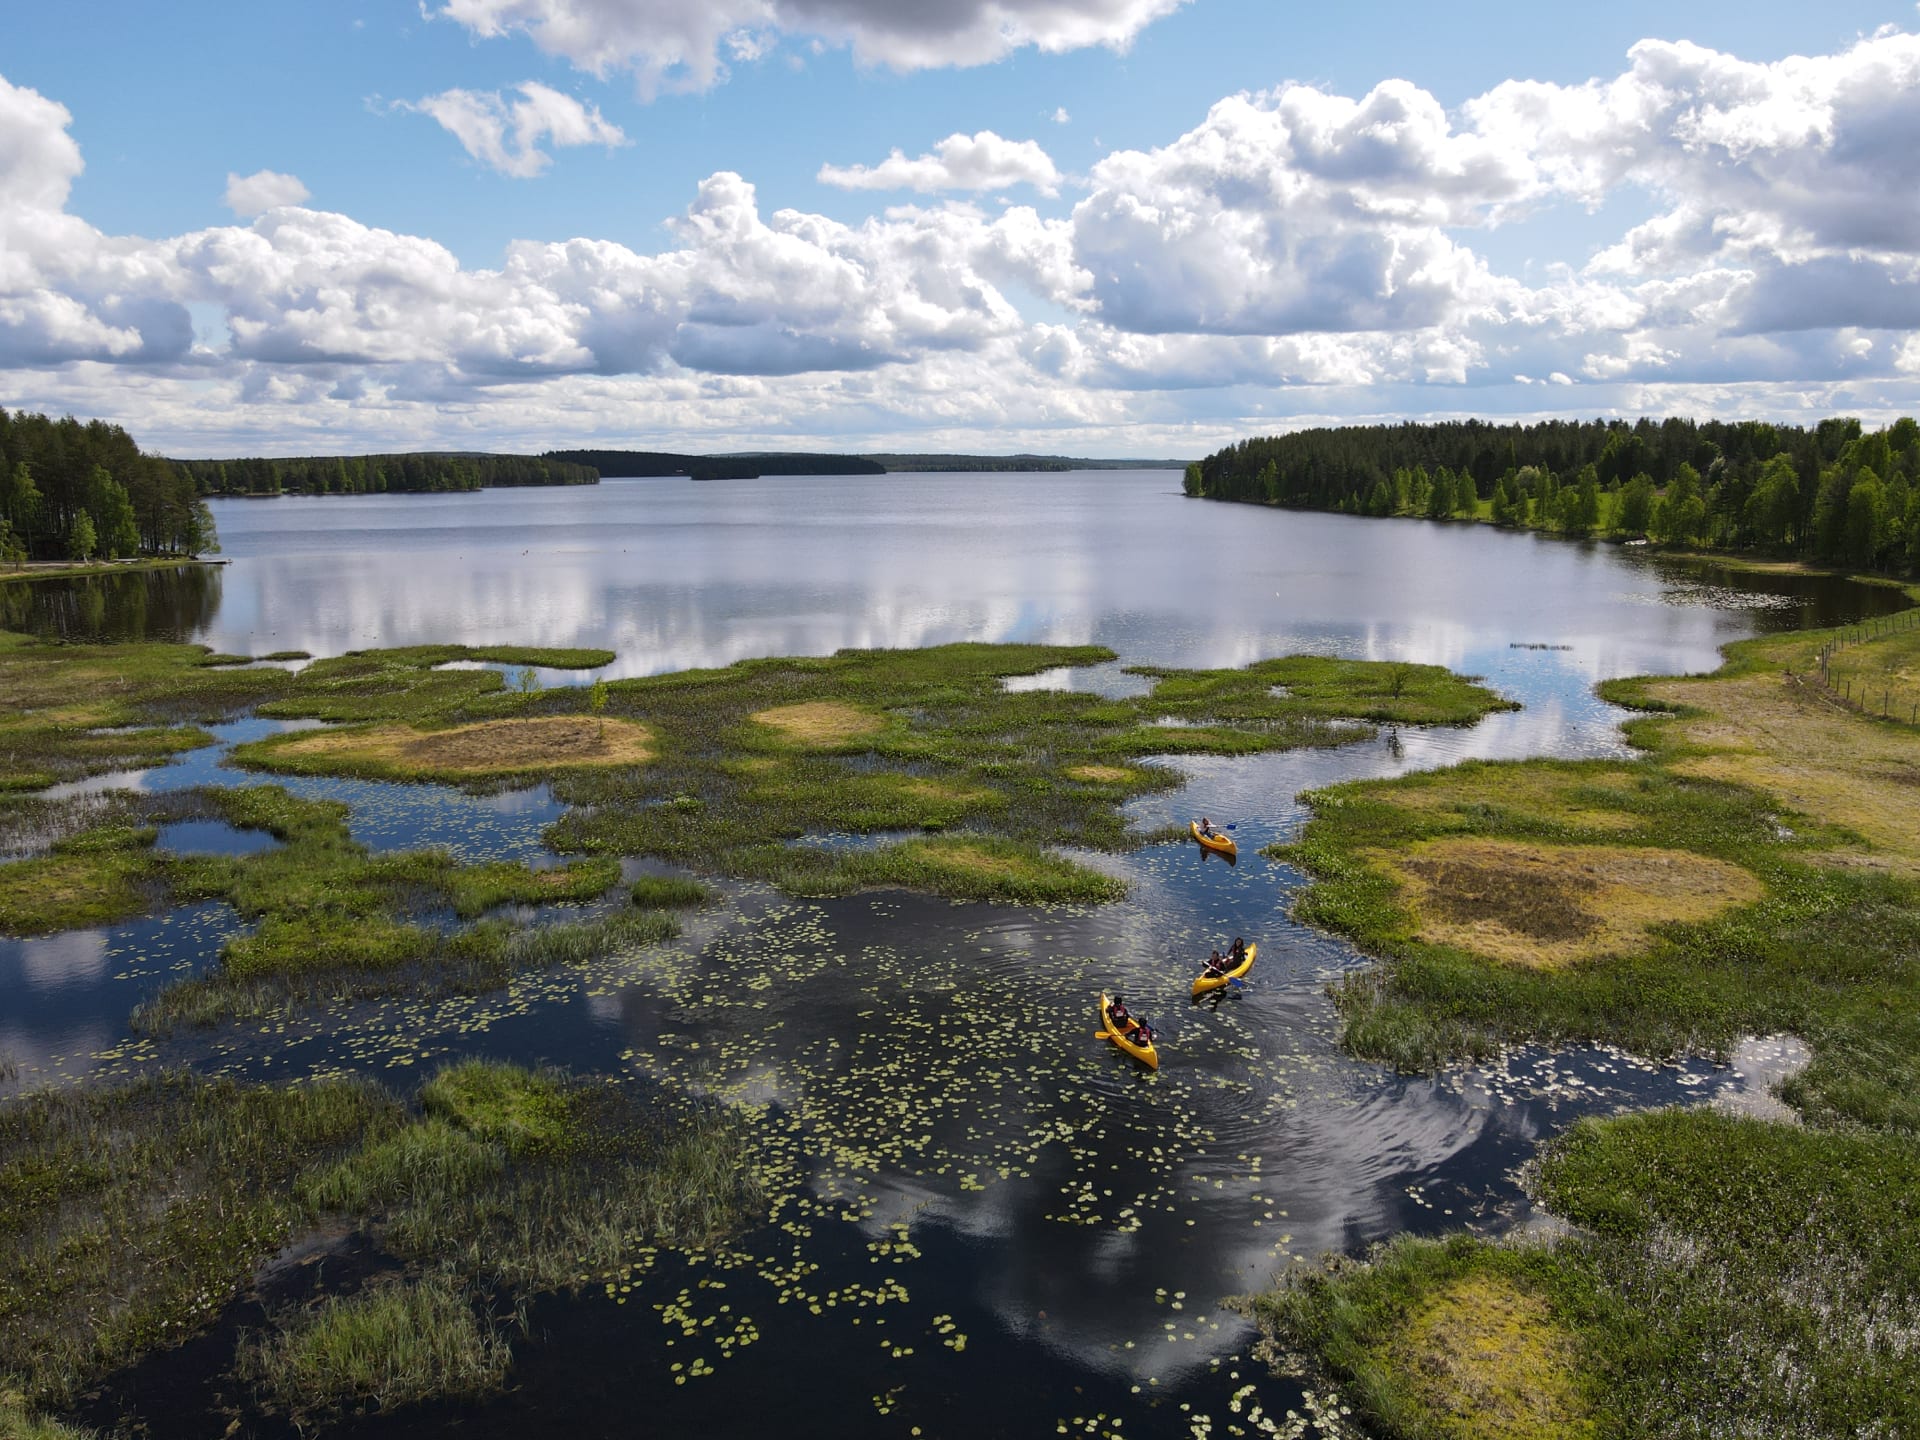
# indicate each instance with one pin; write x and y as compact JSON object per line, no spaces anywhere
{"x":1834,"y":493}
{"x":73,"y":491}
{"x":937,"y":463}
{"x":417,"y":474}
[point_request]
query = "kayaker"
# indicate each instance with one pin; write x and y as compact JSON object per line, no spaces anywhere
{"x":1118,"y":1014}
{"x":1142,"y":1034}
{"x":1239,"y":951}
{"x":1215,"y":966}
{"x":1206,"y":828}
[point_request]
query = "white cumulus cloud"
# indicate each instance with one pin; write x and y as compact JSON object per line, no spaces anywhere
{"x":679,"y":43}
{"x":507,"y":135}
{"x":1296,"y":252}
{"x":1299,"y":211}
{"x":982,"y":161}
{"x":264,"y":190}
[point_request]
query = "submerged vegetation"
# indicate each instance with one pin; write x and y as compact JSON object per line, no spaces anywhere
{"x":135,"y":1213}
{"x":1758,"y":870}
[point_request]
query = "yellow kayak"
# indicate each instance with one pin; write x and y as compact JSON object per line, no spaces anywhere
{"x":1214,"y":982}
{"x":1145,"y":1054}
{"x":1219,"y":844}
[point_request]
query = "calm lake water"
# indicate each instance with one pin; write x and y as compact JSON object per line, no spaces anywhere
{"x":1074,"y":1224}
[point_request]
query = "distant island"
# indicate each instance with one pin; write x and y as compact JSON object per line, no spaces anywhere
{"x":746,"y":465}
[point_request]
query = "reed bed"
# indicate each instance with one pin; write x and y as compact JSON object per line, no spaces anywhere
{"x":134,"y":1214}
{"x":663,"y":892}
{"x":388,"y":1345}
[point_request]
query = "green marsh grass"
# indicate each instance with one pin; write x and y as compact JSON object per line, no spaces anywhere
{"x":1726,"y":1276}
{"x":404,"y":960}
{"x":91,"y":878}
{"x":530,"y":1181}
{"x":17,"y":1422}
{"x":331,"y":919}
{"x":869,"y":742}
{"x":523,"y":1109}
{"x":1442,"y":1340}
{"x":943,"y":745}
{"x":131,"y":1214}
{"x":56,"y":699}
{"x":386,"y":1346}
{"x":1825,"y":952}
{"x":32,"y":824}
{"x":659,"y":892}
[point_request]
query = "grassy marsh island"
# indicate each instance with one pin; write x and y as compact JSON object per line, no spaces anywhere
{"x":742,"y":761}
{"x":966,"y":782}
{"x":1757,"y":871}
{"x":136,"y":1213}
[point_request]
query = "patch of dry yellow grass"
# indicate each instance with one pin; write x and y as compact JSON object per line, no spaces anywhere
{"x":490,"y":747}
{"x":1547,"y":906}
{"x":1100,"y":774}
{"x":821,"y":724}
{"x":958,"y":855}
{"x":1578,"y":800}
{"x":921,"y":788}
{"x":1789,"y":740}
{"x":1488,"y":1362}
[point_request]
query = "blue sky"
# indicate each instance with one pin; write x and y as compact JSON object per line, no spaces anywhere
{"x":1115,"y":227}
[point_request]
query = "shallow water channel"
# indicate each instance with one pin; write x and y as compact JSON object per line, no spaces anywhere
{"x":986,"y":1220}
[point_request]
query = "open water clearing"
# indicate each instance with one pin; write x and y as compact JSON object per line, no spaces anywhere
{"x":984,"y":1219}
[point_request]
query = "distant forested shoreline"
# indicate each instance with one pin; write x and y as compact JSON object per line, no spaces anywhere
{"x":423,"y":473}
{"x":1834,"y":493}
{"x":753,"y":464}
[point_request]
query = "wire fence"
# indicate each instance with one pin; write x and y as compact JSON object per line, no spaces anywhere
{"x":1869,"y":689}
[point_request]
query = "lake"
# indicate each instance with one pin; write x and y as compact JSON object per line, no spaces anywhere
{"x":953,"y":1154}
